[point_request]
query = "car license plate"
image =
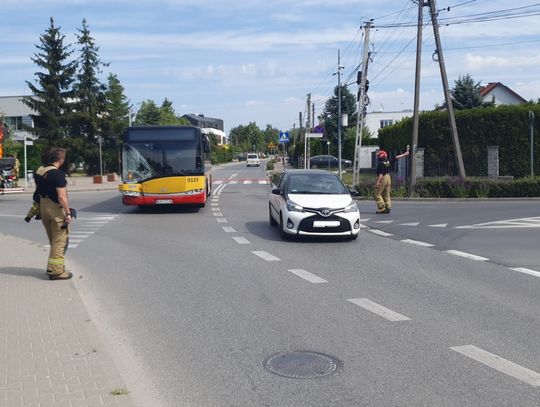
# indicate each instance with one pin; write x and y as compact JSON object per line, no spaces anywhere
{"x":163,"y":201}
{"x":325,"y":223}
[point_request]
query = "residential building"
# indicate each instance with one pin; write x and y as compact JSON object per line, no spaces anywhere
{"x":16,"y":114}
{"x":501,"y":94}
{"x":379,"y":119}
{"x":208,"y":125}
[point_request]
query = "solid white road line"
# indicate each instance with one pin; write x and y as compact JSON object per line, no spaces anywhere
{"x":410,"y":224}
{"x":306,"y":275}
{"x":228,"y":229}
{"x":417,"y":243}
{"x":502,"y":365}
{"x":218,"y":214}
{"x":527,"y":271}
{"x":379,"y":309}
{"x":380,"y":232}
{"x":440,"y":225}
{"x":467,"y":255}
{"x":265,"y":256}
{"x":221,"y":220}
{"x":241,"y":240}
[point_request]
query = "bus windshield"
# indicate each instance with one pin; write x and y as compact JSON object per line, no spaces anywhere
{"x":150,"y":159}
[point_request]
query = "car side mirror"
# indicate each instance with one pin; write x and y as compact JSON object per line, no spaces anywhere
{"x":277,"y":191}
{"x":353,"y":191}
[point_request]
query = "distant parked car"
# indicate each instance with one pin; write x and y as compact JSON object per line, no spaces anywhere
{"x":326,"y":161}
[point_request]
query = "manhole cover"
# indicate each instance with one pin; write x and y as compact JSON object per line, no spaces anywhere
{"x":302,"y":364}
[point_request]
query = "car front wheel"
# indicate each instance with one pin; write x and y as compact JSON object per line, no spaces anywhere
{"x":284,"y":235}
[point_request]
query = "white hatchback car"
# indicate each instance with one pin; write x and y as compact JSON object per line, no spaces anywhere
{"x":313,"y":203}
{"x":253,"y":159}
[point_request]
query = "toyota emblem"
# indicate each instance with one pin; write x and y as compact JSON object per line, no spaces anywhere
{"x":325,"y":212}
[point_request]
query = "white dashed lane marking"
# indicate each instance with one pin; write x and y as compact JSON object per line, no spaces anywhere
{"x":417,"y":243}
{"x":440,"y":225}
{"x":379,"y":309}
{"x":221,"y":220}
{"x":306,"y":275}
{"x":467,"y":255}
{"x":502,"y":365}
{"x":228,"y":229}
{"x":241,"y":240}
{"x":265,"y":256}
{"x":379,"y":232}
{"x":527,"y":271}
{"x":410,"y":224}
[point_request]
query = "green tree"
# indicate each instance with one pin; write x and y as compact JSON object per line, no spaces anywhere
{"x":115,"y":121}
{"x":247,"y":138}
{"x":52,"y":92}
{"x":90,"y":102}
{"x":168,"y":117}
{"x":466,"y":94}
{"x":149,"y":114}
{"x":329,"y":117}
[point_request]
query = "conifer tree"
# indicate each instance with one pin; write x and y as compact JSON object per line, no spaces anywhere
{"x":90,"y":100}
{"x":52,"y":92}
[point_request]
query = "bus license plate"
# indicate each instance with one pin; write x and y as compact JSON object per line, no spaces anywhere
{"x":163,"y":201}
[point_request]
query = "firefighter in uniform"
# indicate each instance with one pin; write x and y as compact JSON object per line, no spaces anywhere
{"x":54,"y":208}
{"x":383,"y":184}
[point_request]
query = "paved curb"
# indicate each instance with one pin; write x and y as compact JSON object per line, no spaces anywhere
{"x":50,"y":351}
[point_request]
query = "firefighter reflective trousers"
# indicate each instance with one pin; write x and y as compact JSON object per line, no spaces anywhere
{"x":52,"y":216}
{"x":382,"y":193}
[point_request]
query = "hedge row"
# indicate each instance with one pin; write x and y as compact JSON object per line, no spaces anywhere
{"x":503,"y":126}
{"x":456,"y":187}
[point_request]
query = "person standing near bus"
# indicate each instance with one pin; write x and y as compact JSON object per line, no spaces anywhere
{"x":54,"y":208}
{"x":383,"y":184}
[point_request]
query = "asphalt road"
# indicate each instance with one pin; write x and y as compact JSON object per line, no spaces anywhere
{"x":195,"y":301}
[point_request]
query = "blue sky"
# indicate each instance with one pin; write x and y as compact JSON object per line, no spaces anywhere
{"x":255,"y":60}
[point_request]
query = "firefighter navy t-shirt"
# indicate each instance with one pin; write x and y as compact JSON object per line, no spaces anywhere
{"x":384,"y":166}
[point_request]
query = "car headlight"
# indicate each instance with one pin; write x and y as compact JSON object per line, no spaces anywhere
{"x":292,"y":207}
{"x":351,"y":208}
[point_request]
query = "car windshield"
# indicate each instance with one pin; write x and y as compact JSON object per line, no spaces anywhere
{"x":252,"y":156}
{"x":315,"y":184}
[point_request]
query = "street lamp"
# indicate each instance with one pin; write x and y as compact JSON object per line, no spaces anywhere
{"x":338,"y":73}
{"x":100,"y":140}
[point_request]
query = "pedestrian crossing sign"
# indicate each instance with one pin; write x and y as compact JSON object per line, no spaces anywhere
{"x":283,"y":136}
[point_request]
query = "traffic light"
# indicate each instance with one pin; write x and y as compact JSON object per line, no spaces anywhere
{"x":367,"y":85}
{"x":359,"y":77}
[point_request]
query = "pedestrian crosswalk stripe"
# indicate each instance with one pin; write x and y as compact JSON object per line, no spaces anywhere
{"x":248,"y":182}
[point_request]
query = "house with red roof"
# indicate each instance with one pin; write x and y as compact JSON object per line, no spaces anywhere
{"x":501,"y":94}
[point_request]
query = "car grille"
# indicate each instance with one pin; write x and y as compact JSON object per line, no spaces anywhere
{"x":306,"y":225}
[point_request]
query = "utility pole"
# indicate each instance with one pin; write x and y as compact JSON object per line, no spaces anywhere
{"x":313,"y":115}
{"x":300,"y":134}
{"x":308,"y":122}
{"x":448,"y":98}
{"x":360,"y":117}
{"x":338,"y":73}
{"x":416,"y":108}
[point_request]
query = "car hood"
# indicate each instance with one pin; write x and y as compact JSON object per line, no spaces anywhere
{"x":321,"y":201}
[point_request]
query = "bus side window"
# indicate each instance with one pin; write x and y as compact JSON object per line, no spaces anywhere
{"x":206,"y":144}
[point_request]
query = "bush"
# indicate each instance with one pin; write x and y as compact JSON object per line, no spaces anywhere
{"x":270,"y":165}
{"x":456,"y":187}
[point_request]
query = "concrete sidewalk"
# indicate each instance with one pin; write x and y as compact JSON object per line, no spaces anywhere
{"x":74,"y":184}
{"x":51,"y":353}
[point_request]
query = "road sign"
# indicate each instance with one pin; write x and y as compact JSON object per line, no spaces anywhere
{"x":29,"y":142}
{"x":314,"y":135}
{"x":318,"y":129}
{"x":283,"y":136}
